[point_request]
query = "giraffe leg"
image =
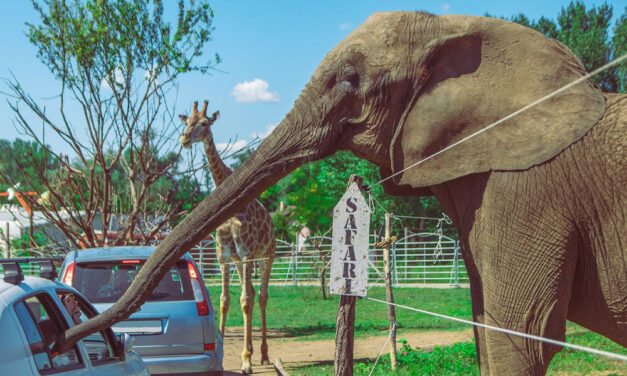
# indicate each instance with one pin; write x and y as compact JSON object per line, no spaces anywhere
{"x":225,"y":296}
{"x":265,"y":268}
{"x":247,"y":301}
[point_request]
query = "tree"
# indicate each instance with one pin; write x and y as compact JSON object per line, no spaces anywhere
{"x":115,"y":62}
{"x":20,"y":159}
{"x":312,"y":191}
{"x":619,"y":43}
{"x":586,"y":33}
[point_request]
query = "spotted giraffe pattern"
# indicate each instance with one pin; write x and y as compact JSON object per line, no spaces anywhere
{"x":247,"y":236}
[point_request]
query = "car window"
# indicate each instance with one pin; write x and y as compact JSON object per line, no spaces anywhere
{"x":100,"y":346}
{"x":105,"y":282}
{"x":42,"y":323}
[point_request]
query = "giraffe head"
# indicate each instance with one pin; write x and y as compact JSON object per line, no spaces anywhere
{"x":197,"y":126}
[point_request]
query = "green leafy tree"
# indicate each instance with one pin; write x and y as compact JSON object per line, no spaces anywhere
{"x":19,"y":160}
{"x":619,"y":45}
{"x":586,"y":33}
{"x":116,"y":61}
{"x":311,"y":192}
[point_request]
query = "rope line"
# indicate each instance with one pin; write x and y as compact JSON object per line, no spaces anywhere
{"x":413,"y":217}
{"x":509,"y":331}
{"x":558,"y":91}
{"x":383,"y":348}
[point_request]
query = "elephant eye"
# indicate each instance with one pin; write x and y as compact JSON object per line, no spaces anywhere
{"x":349,"y":81}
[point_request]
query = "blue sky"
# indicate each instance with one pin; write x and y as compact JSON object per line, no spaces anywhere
{"x":269,"y":51}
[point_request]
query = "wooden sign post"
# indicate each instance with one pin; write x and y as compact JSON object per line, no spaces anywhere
{"x":388,"y":286}
{"x":349,"y":268}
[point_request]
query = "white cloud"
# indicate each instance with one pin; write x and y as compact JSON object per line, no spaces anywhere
{"x":265,"y":133}
{"x":118,"y":76}
{"x":344,"y":26}
{"x":253,"y":91}
{"x":445,"y":7}
{"x":231,"y":147}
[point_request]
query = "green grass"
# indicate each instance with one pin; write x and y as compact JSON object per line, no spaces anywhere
{"x":301,"y":311}
{"x":461,"y":360}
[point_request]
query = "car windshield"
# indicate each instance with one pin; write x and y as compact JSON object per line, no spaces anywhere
{"x":105,"y":282}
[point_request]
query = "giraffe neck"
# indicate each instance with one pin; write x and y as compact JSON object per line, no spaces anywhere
{"x":219,"y":169}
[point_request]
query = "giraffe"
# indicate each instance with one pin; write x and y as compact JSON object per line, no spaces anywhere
{"x":247,"y":236}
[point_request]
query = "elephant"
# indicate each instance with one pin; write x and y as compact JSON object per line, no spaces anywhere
{"x":539,"y":200}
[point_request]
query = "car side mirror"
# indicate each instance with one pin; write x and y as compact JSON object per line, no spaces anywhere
{"x":125,"y":344}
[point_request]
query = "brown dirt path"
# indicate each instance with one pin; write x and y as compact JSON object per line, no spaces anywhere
{"x":298,"y":352}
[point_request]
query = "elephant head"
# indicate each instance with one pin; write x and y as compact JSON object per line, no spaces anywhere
{"x":404,"y":85}
{"x":401,"y":87}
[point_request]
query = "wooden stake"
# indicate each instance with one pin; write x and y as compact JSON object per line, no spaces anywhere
{"x":344,"y":336}
{"x":388,"y":287}
{"x":345,"y":322}
{"x":280,"y":370}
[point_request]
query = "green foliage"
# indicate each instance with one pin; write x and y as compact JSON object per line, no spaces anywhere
{"x":586,"y":33}
{"x":83,"y":38}
{"x":20,"y":162}
{"x":116,"y":60}
{"x":21,"y":245}
{"x":619,"y":44}
{"x":312,"y":190}
{"x":461,"y":359}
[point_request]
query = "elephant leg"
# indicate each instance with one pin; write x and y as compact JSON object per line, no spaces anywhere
{"x":525,"y":287}
{"x":265,"y":268}
{"x":477,"y":313}
{"x":247,"y":301}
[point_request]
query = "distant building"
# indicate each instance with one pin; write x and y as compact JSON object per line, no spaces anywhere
{"x":15,"y":221}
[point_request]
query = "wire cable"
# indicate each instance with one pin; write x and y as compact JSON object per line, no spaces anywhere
{"x":509,"y":331}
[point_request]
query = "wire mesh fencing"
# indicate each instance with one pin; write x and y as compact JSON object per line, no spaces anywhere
{"x":417,"y":259}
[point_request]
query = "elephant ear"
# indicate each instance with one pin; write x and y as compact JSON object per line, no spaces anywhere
{"x":477,"y":76}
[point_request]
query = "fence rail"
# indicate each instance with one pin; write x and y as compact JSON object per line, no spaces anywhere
{"x":424,"y":258}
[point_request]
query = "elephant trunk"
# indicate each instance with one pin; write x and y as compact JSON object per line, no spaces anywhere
{"x":284,"y":150}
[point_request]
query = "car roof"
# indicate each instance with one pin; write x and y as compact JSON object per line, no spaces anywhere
{"x":10,"y":291}
{"x":115,"y":253}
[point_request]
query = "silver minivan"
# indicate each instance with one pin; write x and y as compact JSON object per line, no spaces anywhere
{"x":174,"y":330}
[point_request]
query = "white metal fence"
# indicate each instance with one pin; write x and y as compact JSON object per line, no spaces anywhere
{"x":423,"y":258}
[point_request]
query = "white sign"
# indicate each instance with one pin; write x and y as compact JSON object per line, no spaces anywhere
{"x":349,"y":258}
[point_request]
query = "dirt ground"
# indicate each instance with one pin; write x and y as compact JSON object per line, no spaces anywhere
{"x":297,"y":352}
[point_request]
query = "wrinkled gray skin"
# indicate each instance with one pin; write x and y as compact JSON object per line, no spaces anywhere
{"x":539,"y":200}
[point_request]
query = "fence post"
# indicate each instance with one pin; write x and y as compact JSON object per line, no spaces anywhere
{"x":345,"y":321}
{"x":295,"y":263}
{"x":424,"y":262}
{"x":394,"y":266}
{"x":7,"y":250}
{"x":456,"y":263}
{"x":406,"y":255}
{"x":388,"y":240}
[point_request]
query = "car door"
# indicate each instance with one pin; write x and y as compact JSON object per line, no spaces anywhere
{"x":102,"y":347}
{"x":41,"y":322}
